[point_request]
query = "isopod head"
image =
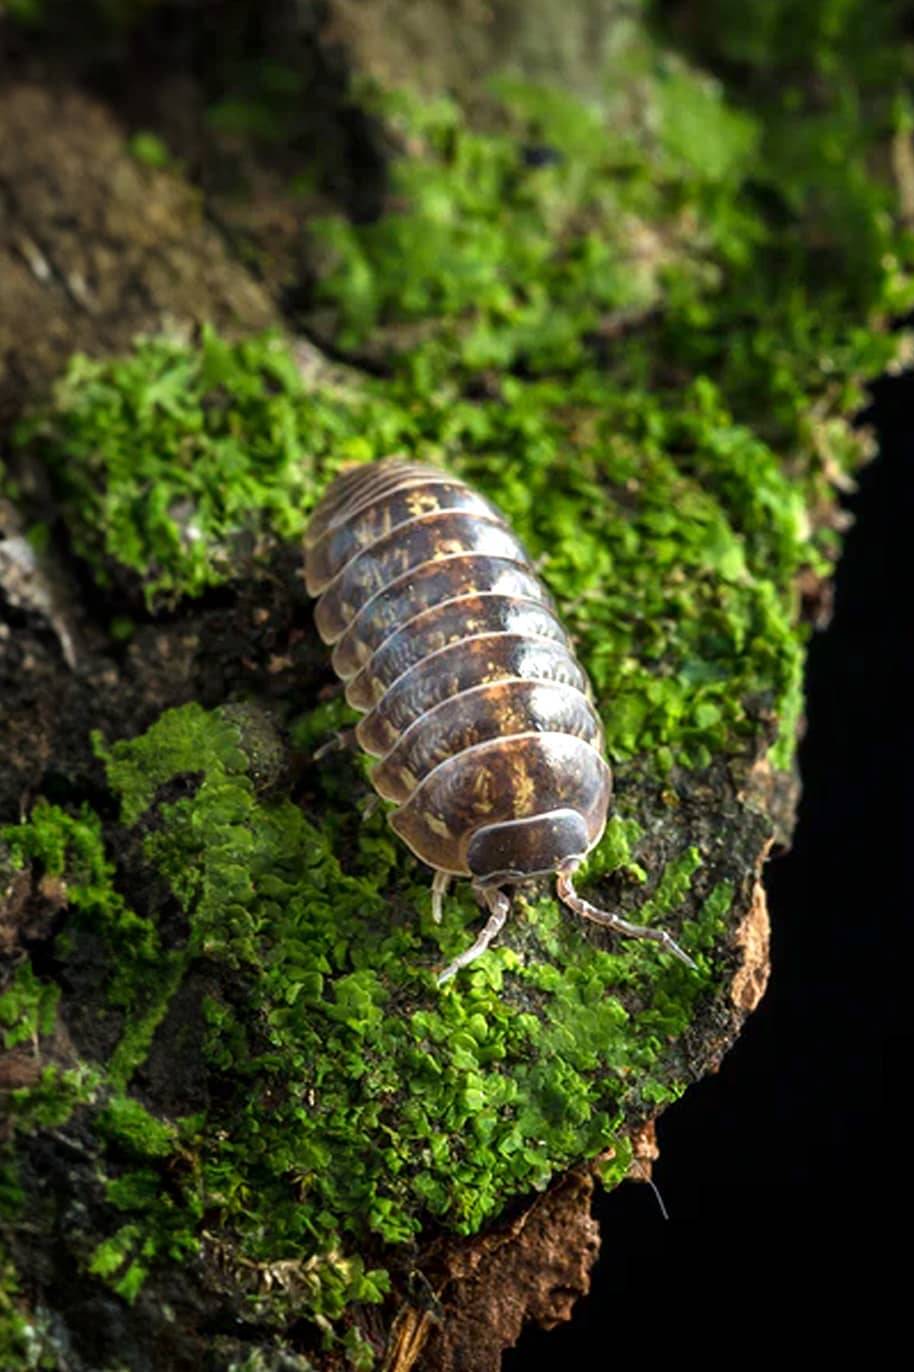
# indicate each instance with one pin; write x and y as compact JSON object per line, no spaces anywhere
{"x":523,"y":848}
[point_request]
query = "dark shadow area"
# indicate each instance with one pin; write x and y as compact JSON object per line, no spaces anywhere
{"x":229,"y":85}
{"x":798,"y":1126}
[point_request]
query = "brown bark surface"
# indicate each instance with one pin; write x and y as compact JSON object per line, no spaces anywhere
{"x":94,"y":247}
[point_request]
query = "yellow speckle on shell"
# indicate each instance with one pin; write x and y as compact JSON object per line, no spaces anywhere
{"x":523,"y":788}
{"x":422,"y":501}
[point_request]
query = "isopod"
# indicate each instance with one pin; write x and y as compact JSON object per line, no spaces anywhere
{"x":473,"y":702}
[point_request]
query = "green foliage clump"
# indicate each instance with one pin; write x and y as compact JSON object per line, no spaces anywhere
{"x":671,"y":537}
{"x":72,"y":846}
{"x":149,"y":149}
{"x":28,"y":1007}
{"x":127,"y":1124}
{"x":676,"y":479}
{"x":257,"y":876}
{"x":669,"y":532}
{"x":51,"y":1102}
{"x":329,"y":1005}
{"x":529,"y":239}
{"x":161,"y":1230}
{"x":759,"y":228}
{"x":22,"y":1346}
{"x":167,"y":458}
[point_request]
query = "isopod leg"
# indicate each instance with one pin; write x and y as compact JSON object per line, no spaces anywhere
{"x":343,"y":740}
{"x":566,"y":893}
{"x":440,"y":883}
{"x":499,"y":907}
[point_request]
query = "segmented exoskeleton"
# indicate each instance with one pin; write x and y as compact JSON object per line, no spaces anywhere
{"x":475,"y":704}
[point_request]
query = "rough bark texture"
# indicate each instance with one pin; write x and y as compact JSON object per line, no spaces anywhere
{"x":96,"y":248}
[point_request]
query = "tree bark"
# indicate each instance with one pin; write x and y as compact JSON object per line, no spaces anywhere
{"x":95,"y":249}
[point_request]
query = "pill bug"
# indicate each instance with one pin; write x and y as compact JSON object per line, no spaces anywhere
{"x":480,"y":716}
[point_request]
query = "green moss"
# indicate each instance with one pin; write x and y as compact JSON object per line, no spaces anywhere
{"x":71,"y":846}
{"x":760,"y":224}
{"x":149,"y":149}
{"x":680,"y":597}
{"x":268,"y":897}
{"x":167,"y":459}
{"x":161,"y":1234}
{"x":510,"y":1078}
{"x":674,"y":482}
{"x":520,"y":259}
{"x":28,"y":1007}
{"x":22,"y":1345}
{"x":51,"y":1102}
{"x":125,"y":1122}
{"x":669,"y":531}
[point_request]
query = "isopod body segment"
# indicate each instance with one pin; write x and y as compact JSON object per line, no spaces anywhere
{"x":479,"y":714}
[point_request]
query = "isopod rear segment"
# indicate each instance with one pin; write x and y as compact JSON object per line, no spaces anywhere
{"x":475,"y":706}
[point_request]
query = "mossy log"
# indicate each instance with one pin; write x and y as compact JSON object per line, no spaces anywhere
{"x":242,"y":1126}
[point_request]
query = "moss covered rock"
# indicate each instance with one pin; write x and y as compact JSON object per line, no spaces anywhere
{"x":238,"y":1106}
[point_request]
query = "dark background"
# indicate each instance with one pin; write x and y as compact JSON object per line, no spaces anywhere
{"x":800,"y":1130}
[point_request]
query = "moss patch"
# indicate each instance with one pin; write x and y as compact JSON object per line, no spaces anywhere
{"x":28,"y":1007}
{"x":327,"y":1004}
{"x":163,"y":457}
{"x":521,"y":243}
{"x":21,"y":1343}
{"x":676,"y":477}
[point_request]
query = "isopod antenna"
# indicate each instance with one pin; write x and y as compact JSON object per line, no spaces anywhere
{"x":566,"y":893}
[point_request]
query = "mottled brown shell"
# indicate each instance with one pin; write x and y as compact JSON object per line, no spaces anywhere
{"x":476,"y":707}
